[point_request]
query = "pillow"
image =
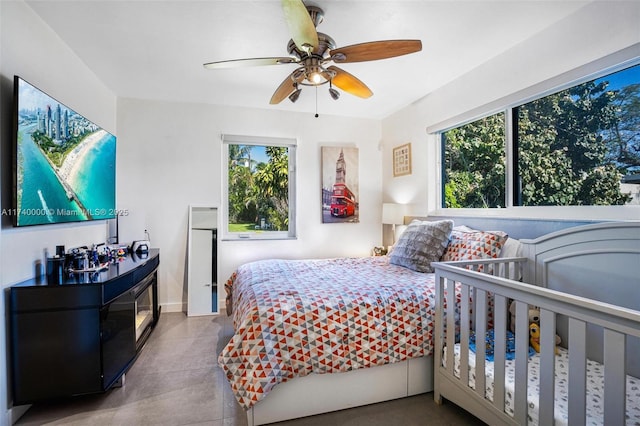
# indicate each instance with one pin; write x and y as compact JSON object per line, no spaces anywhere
{"x":511,"y":248}
{"x":420,"y":244}
{"x":472,"y":245}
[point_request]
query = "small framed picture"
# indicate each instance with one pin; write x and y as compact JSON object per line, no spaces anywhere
{"x":402,"y":160}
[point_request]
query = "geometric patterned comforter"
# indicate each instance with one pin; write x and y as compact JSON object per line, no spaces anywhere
{"x":297,"y":317}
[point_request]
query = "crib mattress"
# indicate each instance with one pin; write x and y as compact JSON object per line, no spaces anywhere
{"x":595,"y":386}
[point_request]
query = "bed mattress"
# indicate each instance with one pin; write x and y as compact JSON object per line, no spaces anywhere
{"x":595,"y":386}
{"x":297,"y":317}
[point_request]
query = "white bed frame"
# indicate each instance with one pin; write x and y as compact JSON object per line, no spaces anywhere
{"x":586,"y":282}
{"x":315,"y":394}
{"x":322,"y":393}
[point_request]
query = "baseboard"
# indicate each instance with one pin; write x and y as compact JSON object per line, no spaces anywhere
{"x":14,"y":413}
{"x":173,"y":307}
{"x":180,"y":307}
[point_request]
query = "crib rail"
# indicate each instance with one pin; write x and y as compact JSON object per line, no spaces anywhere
{"x":482,"y":295}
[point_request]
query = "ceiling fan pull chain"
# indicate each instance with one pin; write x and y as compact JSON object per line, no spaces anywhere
{"x":316,"y":102}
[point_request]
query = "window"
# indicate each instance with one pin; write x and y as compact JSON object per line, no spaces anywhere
{"x":474,"y":164}
{"x":578,"y":146}
{"x":260,"y":187}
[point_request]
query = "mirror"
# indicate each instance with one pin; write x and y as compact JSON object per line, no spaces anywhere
{"x":202,"y":273}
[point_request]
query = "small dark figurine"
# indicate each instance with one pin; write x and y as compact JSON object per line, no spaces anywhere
{"x":379,"y":251}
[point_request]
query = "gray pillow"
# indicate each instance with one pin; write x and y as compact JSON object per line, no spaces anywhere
{"x":420,"y":244}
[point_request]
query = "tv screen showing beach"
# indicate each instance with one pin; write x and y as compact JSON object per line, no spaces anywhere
{"x":65,"y":164}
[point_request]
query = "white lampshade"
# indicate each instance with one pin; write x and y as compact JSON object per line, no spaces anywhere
{"x":393,"y":214}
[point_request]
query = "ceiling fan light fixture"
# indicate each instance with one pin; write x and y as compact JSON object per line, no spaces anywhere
{"x":316,"y":78}
{"x":298,"y":75}
{"x":293,"y":97}
{"x":312,"y":51}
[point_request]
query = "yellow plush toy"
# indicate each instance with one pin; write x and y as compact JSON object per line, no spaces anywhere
{"x":534,"y":317}
{"x":534,"y":337}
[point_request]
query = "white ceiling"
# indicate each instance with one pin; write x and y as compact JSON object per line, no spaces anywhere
{"x":154,"y":49}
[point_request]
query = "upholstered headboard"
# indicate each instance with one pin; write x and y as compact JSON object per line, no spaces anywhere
{"x":516,"y":228}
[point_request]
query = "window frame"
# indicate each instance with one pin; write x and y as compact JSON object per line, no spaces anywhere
{"x":508,"y":105}
{"x":443,"y":160}
{"x":289,"y":143}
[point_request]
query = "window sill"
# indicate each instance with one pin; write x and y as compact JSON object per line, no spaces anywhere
{"x":250,"y":237}
{"x":595,"y":213}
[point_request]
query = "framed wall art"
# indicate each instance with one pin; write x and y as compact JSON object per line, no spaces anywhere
{"x":340,"y":185}
{"x":402,"y":160}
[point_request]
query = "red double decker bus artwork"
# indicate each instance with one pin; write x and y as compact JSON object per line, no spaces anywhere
{"x":343,"y":201}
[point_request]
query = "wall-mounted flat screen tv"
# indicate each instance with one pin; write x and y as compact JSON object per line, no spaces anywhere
{"x":65,"y":165}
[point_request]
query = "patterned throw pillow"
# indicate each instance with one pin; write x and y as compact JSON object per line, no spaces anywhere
{"x":420,"y":244}
{"x":472,"y":245}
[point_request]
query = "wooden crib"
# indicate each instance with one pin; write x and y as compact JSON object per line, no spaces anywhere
{"x":586,"y":282}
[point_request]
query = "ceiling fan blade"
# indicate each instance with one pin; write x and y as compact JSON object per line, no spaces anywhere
{"x":374,"y":50}
{"x":349,"y":83}
{"x":286,"y":88}
{"x":250,"y":62}
{"x":301,"y":27}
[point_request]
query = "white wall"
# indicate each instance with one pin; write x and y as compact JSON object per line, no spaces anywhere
{"x":594,"y":32}
{"x":32,"y":51}
{"x":28,"y":48}
{"x":169,"y":156}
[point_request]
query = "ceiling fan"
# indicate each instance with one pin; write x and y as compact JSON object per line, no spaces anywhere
{"x":313,"y":52}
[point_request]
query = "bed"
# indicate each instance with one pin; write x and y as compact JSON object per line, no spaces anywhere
{"x":296,"y":320}
{"x":585,"y":281}
{"x":271,"y":390}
